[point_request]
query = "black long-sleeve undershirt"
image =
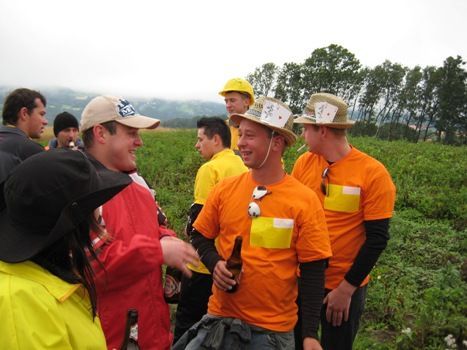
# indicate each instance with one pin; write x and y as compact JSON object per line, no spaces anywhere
{"x":311,"y":286}
{"x":206,"y":250}
{"x":193,"y":213}
{"x":377,"y":236}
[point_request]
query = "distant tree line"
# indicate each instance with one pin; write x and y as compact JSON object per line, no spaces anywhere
{"x":389,"y":101}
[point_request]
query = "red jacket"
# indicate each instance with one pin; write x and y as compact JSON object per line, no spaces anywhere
{"x":132,"y":277}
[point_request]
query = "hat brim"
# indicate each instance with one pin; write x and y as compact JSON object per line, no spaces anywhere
{"x":306,"y":120}
{"x":289,"y":136}
{"x":139,"y":122}
{"x":21,"y":243}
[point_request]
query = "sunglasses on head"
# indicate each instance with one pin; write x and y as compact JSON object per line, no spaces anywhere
{"x":258,"y":193}
{"x":325,"y":181}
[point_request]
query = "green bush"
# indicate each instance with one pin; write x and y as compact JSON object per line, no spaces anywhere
{"x":416,"y":285}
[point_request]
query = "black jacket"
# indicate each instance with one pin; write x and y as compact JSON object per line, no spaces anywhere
{"x":15,"y":146}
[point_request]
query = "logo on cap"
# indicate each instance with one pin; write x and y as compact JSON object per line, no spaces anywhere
{"x":125,"y":109}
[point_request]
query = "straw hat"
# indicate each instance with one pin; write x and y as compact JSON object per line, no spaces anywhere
{"x":272,"y":113}
{"x":326,"y":109}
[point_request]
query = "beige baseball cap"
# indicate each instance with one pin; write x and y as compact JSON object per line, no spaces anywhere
{"x":102,"y":109}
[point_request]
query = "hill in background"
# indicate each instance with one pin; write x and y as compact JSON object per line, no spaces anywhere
{"x":62,"y":99}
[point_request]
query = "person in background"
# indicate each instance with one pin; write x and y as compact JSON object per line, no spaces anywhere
{"x":214,"y":146}
{"x":23,"y":119}
{"x":66,"y":131}
{"x":358,"y":196}
{"x":282,"y":225}
{"x":132,"y":257}
{"x":47,"y":290}
{"x":238,"y":96}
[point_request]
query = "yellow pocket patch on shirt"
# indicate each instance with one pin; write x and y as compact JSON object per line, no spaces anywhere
{"x":342,"y":198}
{"x":271,"y":232}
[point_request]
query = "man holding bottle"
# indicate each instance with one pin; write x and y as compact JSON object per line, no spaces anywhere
{"x":66,"y":131}
{"x":282,"y":227}
{"x":213,"y":144}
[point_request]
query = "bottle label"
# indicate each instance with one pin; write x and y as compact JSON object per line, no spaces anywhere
{"x":172,"y":288}
{"x":134,"y":332}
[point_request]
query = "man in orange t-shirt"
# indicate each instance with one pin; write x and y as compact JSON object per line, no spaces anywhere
{"x":213,"y":145}
{"x":283,"y":228}
{"x":358,"y":198}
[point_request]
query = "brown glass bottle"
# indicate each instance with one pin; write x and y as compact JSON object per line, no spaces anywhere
{"x":130,"y":340}
{"x":172,"y":285}
{"x":234,"y":263}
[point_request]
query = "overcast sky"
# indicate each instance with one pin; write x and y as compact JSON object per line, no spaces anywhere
{"x":188,"y":48}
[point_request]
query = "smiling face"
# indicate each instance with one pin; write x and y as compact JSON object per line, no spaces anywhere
{"x":121,"y":148}
{"x":253,"y":143}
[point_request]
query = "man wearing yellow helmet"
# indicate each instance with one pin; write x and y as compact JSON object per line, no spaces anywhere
{"x":238,"y":96}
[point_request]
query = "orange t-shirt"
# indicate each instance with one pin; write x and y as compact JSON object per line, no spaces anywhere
{"x":360,"y":189}
{"x":290,"y":230}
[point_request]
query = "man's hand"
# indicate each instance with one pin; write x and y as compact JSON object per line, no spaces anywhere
{"x":311,"y":344}
{"x":222,"y":277}
{"x":177,"y":253}
{"x":338,"y":301}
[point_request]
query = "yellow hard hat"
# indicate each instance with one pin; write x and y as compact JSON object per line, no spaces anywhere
{"x":239,"y":85}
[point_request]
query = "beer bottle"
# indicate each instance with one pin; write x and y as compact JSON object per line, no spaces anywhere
{"x":234,"y":263}
{"x":172,"y":285}
{"x":130,"y":340}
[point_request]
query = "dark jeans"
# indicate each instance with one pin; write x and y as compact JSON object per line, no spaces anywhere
{"x":341,"y":337}
{"x":193,"y":303}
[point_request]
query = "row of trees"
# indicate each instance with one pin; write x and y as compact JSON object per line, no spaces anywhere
{"x":390,"y":101}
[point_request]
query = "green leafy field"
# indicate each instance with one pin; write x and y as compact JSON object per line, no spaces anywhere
{"x":418,"y":293}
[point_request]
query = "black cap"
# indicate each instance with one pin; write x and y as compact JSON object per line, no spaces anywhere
{"x":65,"y":120}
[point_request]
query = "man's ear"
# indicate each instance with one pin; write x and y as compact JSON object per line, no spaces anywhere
{"x":100,"y":133}
{"x":217,"y":139}
{"x":278,"y":142}
{"x":323,"y":131}
{"x":23,"y":114}
{"x":246,"y":102}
